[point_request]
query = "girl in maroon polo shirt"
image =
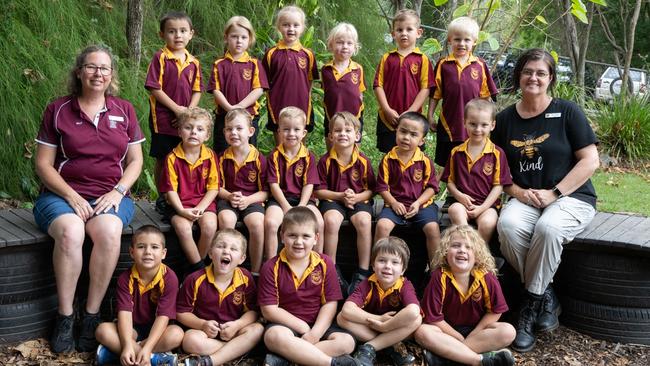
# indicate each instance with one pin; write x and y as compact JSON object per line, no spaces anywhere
{"x":463,"y":303}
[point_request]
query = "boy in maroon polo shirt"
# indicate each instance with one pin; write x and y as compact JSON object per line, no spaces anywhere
{"x":476,"y":171}
{"x":402,"y":79}
{"x":190,"y":181}
{"x":174,"y":84}
{"x":463,"y":303}
{"x":237,"y":79}
{"x":459,"y":78}
{"x":347,"y":184}
{"x":298,"y":295}
{"x":290,"y":69}
{"x":291,"y":175}
{"x":219,"y":304}
{"x":146,"y":301}
{"x":384,"y":309}
{"x":406,"y":181}
{"x":244,"y":189}
{"x":342,"y":78}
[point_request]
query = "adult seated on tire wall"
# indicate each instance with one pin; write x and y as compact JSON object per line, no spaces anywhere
{"x":551,"y":151}
{"x":88,"y":156}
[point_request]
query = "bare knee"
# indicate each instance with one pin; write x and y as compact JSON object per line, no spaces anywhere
{"x":192,"y":340}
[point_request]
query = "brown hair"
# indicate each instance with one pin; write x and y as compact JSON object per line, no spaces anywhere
{"x":405,"y":14}
{"x":417,"y":117}
{"x":232,"y":233}
{"x":194,"y":113}
{"x":147,"y":229}
{"x":482,"y":105}
{"x":347,"y":118}
{"x":534,"y":54}
{"x":300,"y":216}
{"x":238,"y":112}
{"x":483,"y":258}
{"x":74,"y":83}
{"x":392,"y":245}
{"x":292,"y":113}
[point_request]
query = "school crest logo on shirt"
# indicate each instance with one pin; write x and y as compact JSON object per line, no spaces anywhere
{"x":417,"y":175}
{"x":302,"y":62}
{"x":355,"y":174}
{"x":354,"y":77}
{"x":415,"y":68}
{"x":477,"y":295}
{"x":204,"y":173}
{"x":300,"y":169}
{"x":393,"y":299}
{"x":247,"y":74}
{"x":191,"y":75}
{"x":237,"y":297}
{"x":316,"y":277}
{"x":154,"y":295}
{"x":252,"y":176}
{"x":474,"y":74}
{"x":488,"y":168}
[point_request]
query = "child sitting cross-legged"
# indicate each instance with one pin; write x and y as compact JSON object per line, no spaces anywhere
{"x":218,"y":304}
{"x":462,"y":305}
{"x":384,"y":309}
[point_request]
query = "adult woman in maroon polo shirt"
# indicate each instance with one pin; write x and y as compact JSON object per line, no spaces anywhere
{"x":551,"y":152}
{"x":88,"y":156}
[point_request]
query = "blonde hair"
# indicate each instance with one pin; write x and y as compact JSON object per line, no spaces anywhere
{"x":405,"y":14}
{"x":347,"y":118}
{"x":481,"y":104}
{"x":463,"y":25}
{"x":193,"y":114}
{"x":285,"y":11}
{"x":392,"y":245}
{"x":236,"y":113}
{"x":243,"y":22}
{"x":292,"y":113}
{"x":233,"y":234}
{"x":483,"y":259}
{"x":343,"y":29}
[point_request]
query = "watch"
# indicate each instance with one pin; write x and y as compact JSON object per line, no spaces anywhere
{"x":557,"y":192}
{"x":120,"y":188}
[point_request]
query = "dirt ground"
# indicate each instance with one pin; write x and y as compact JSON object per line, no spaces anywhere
{"x":561,"y":347}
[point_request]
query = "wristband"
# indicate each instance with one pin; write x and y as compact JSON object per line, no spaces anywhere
{"x":120,"y":189}
{"x":557,"y":192}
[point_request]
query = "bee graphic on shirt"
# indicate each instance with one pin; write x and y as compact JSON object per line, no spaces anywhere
{"x":527,"y":146}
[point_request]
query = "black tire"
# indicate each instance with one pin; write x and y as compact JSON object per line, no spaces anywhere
{"x":605,"y":278}
{"x":26,"y":273}
{"x":27,"y":320}
{"x":619,"y":81}
{"x":617,"y":324}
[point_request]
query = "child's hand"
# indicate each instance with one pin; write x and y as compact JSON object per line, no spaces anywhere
{"x":211,"y":328}
{"x":228,"y":330}
{"x":391,"y":116}
{"x":128,"y":355}
{"x":310,"y":337}
{"x":286,"y":208}
{"x":191,"y":214}
{"x":387,"y":316}
{"x":235,"y":199}
{"x":476,"y":211}
{"x":179,"y":109}
{"x":399,"y":208}
{"x":143,"y":358}
{"x":349,"y":198}
{"x":377,"y":325}
{"x":244,"y":202}
{"x":414,"y":208}
{"x":466,"y":201}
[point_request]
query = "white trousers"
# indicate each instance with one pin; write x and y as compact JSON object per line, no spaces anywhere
{"x":532,"y":238}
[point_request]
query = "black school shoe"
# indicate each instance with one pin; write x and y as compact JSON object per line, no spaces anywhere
{"x":399,"y":358}
{"x":345,"y":360}
{"x":365,"y":355}
{"x":547,"y":320}
{"x":87,"y":341}
{"x":62,"y":340}
{"x":272,"y":359}
{"x":500,"y":358}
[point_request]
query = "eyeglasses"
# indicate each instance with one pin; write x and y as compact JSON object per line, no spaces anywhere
{"x":92,"y":69}
{"x":529,"y":73}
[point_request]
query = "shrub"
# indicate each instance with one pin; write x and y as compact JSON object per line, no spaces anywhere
{"x":623,"y":128}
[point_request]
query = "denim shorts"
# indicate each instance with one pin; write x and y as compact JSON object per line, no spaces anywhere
{"x":49,"y":206}
{"x":423,"y":217}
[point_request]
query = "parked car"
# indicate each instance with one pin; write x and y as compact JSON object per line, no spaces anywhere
{"x":564,"y":70}
{"x":609,"y":84}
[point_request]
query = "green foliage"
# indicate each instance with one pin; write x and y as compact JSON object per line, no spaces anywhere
{"x":624,"y":128}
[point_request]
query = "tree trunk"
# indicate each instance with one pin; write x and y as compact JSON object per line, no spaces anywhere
{"x":134,"y":20}
{"x":630,"y":46}
{"x":417,"y":6}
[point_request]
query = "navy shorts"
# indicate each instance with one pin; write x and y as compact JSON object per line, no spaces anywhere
{"x":293,"y":201}
{"x":443,"y":146}
{"x":161,"y":145}
{"x":423,"y":217}
{"x":241,"y":214}
{"x":325,"y":206}
{"x":385,"y":137}
{"x":49,"y":206}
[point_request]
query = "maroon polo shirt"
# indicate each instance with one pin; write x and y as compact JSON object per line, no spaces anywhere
{"x":290,"y":71}
{"x":292,"y":174}
{"x":343,"y":91}
{"x":247,"y":178}
{"x":146,"y":301}
{"x":402,"y":78}
{"x":406,"y":182}
{"x":456,"y":85}
{"x":201,"y":296}
{"x":302,"y":297}
{"x":477,"y":178}
{"x":370,"y":297}
{"x":443,"y":300}
{"x":90,"y":150}
{"x":237,"y":79}
{"x":335,"y":177}
{"x":190,"y":181}
{"x":179,"y":80}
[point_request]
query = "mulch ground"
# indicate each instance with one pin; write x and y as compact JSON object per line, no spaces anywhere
{"x":561,"y":347}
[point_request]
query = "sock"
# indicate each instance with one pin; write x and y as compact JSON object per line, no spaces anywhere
{"x":365,"y":272}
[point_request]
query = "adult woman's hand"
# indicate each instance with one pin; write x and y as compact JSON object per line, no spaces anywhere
{"x":107,"y":201}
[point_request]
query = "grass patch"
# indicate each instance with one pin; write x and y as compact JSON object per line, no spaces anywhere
{"x":620,"y":191}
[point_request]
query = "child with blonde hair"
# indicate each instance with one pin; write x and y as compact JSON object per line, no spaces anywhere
{"x":290,"y":69}
{"x":237,"y":80}
{"x":462,"y":304}
{"x":342,"y":78}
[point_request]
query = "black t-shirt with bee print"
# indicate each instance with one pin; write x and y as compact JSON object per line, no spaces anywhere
{"x":540,"y":149}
